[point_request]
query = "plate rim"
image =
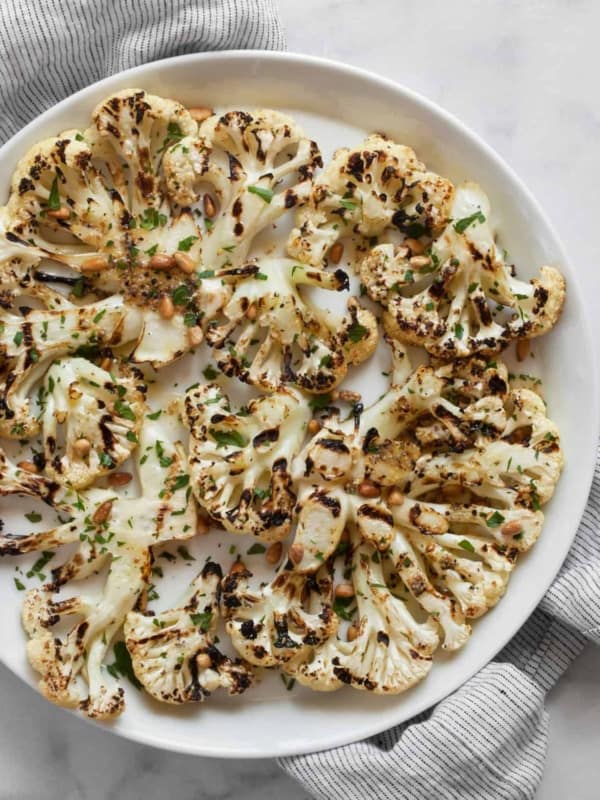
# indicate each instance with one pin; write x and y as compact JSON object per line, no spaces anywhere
{"x":204,"y":749}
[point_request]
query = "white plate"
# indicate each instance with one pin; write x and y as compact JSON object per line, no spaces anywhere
{"x":337,"y":105}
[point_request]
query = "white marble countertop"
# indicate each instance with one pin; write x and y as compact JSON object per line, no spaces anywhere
{"x":524,"y":76}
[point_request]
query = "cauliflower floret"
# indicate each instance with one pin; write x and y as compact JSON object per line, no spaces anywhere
{"x":96,"y":416}
{"x":115,"y":531}
{"x":391,"y":650}
{"x":273,"y":335}
{"x":280,"y":621}
{"x":257,"y":167}
{"x":448,"y":303}
{"x":239,"y":465}
{"x":173,"y":653}
{"x":366,"y":191}
{"x":29,"y":343}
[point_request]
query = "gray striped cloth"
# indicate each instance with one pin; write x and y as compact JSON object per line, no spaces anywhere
{"x":487,"y":741}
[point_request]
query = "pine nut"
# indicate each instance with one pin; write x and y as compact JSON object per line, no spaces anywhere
{"x":251,"y":312}
{"x":368,"y":489}
{"x":28,"y":466}
{"x":102,"y":513}
{"x":419,"y":261}
{"x":415,"y":246}
{"x":237,"y":567}
{"x":336,"y":252}
{"x":511,"y":528}
{"x":105,"y":364}
{"x":208,"y":206}
{"x":296,"y":553}
{"x":60,"y":213}
{"x":522,"y":349}
{"x":195,"y":335}
{"x":162,"y":261}
{"x":395,"y":497}
{"x":349,"y":397}
{"x":314,"y":426}
{"x":165,"y":307}
{"x":344,"y":590}
{"x":82,"y":447}
{"x":273,"y":553}
{"x":94,"y":264}
{"x":120,"y":478}
{"x":335,"y":396}
{"x":204,"y":661}
{"x":61,"y":416}
{"x":202,"y":525}
{"x":200,"y":113}
{"x":185,"y":263}
{"x":352,"y":633}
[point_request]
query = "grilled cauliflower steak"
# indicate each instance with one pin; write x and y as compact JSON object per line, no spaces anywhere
{"x":366,"y":191}
{"x":113,"y":531}
{"x":449,"y":303}
{"x":254,"y":168}
{"x":239,"y":463}
{"x":173,"y":653}
{"x":272,"y":335}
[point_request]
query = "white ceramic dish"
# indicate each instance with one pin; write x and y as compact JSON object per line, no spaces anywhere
{"x":337,"y":105}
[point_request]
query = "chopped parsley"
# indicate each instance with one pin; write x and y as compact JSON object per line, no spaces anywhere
{"x":256,"y":549}
{"x":202,"y":619}
{"x":262,"y":192}
{"x":466,"y":545}
{"x":124,"y":410}
{"x":54,"y":197}
{"x":210,"y":373}
{"x":185,"y":245}
{"x":228,"y":438}
{"x":495,"y":520}
{"x":356,"y":332}
{"x":122,"y":666}
{"x":461,"y":225}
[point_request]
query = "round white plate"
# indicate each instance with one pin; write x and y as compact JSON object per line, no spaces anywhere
{"x":337,"y":105}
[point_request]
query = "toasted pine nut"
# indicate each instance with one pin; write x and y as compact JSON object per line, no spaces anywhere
{"x":102,"y":513}
{"x":195,"y":335}
{"x":314,"y":426}
{"x":28,"y":466}
{"x":368,"y":489}
{"x":395,"y":497}
{"x":60,"y":213}
{"x":82,"y":447}
{"x":419,"y":261}
{"x":200,"y":113}
{"x":296,"y":552}
{"x":61,"y":416}
{"x":336,"y":252}
{"x":251,"y":312}
{"x":105,"y":364}
{"x":349,"y":397}
{"x":165,"y":307}
{"x":94,"y":264}
{"x":511,"y":528}
{"x":273,"y":553}
{"x":344,"y":590}
{"x":416,"y":247}
{"x":236,"y":567}
{"x":202,"y":525}
{"x":162,"y":261}
{"x":204,"y":661}
{"x":522,"y":349}
{"x":120,"y":478}
{"x":352,"y":633}
{"x":185,"y":263}
{"x":208,"y":206}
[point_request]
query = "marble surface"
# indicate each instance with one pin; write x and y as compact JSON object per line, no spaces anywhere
{"x":523,"y":75}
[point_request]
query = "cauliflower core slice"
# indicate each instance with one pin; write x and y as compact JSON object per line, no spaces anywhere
{"x":89,"y":407}
{"x":256,"y":167}
{"x":282,"y":620}
{"x":239,"y":465}
{"x":365,"y":191}
{"x":449,"y":304}
{"x":273,"y":335}
{"x":115,"y":532}
{"x":173,"y":653}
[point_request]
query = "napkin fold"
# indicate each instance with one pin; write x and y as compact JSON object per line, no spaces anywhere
{"x":488,"y":739}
